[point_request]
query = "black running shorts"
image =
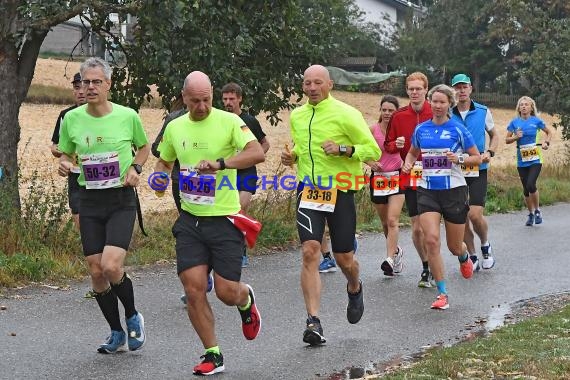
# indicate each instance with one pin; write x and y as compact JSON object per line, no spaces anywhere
{"x":477,"y":189}
{"x":106,"y":217}
{"x":73,"y":192}
{"x":209,"y":240}
{"x":412,"y":201}
{"x":452,"y":204}
{"x":247,"y":179}
{"x":341,"y":222}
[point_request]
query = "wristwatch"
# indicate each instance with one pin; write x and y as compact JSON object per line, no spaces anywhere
{"x":342,"y":150}
{"x":138,"y":168}
{"x":491,"y":153}
{"x":461,"y":158}
{"x":222,"y":163}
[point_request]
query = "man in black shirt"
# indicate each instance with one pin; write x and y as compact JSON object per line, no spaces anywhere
{"x":72,"y":184}
{"x":246,"y":178}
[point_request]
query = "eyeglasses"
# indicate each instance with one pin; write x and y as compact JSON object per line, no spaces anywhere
{"x":94,"y":82}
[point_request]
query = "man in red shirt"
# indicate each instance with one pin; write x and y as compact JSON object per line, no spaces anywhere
{"x":398,"y":139}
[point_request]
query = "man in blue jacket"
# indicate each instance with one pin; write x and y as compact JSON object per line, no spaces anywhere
{"x":478,"y":120}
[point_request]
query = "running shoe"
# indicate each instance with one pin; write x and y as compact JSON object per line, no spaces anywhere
{"x":328,"y":265}
{"x":90,"y":294}
{"x":355,"y":307}
{"x":387,"y":266}
{"x":466,"y":268}
{"x":135,"y":328}
{"x":209,"y":288}
{"x":488,"y":259}
{"x":475,"y":261}
{"x":530,"y":220}
{"x":441,"y":302}
{"x":313,"y":334}
{"x":399,"y":260}
{"x":425,"y":280}
{"x":537,"y":217}
{"x":212,"y":363}
{"x":244,"y":261}
{"x":250,"y":318}
{"x":114,"y":343}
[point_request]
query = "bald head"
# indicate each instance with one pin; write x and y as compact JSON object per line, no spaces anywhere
{"x":197,"y":79}
{"x":197,"y":95}
{"x":317,"y":70}
{"x":317,"y":84}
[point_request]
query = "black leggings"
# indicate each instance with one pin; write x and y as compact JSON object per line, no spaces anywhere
{"x":529,"y":175}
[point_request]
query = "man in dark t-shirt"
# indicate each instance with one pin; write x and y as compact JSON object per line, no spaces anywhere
{"x":72,"y":184}
{"x":246,"y":178}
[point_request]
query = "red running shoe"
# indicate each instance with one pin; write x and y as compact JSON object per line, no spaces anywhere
{"x":212,"y":363}
{"x":250,"y":318}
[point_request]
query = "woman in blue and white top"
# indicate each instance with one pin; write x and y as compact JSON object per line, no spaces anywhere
{"x":445,"y":145}
{"x":524,"y":130}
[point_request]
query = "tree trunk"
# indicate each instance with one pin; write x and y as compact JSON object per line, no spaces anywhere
{"x":16,"y":71}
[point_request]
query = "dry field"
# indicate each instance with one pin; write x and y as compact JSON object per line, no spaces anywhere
{"x":37,"y":122}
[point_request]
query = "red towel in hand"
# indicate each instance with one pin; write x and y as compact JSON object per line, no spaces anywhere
{"x":248,"y":226}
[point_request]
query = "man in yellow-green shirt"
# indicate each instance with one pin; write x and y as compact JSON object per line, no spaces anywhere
{"x":331,"y":140}
{"x":205,"y":142}
{"x":102,"y":134}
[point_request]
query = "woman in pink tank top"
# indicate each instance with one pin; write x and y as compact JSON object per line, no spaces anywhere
{"x":385,"y":192}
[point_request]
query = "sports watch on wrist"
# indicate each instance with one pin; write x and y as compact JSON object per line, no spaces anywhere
{"x":342,"y":150}
{"x":491,"y":153}
{"x":138,"y":168}
{"x":222,"y":163}
{"x":461,"y":158}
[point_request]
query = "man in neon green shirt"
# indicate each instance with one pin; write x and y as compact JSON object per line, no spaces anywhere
{"x":331,"y":140}
{"x":205,"y":142}
{"x":102,"y":134}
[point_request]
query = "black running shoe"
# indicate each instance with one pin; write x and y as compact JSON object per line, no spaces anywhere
{"x":313,"y":334}
{"x":355,"y":307}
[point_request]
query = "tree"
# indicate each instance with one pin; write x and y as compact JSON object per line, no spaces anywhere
{"x":451,"y":38}
{"x":535,"y":39}
{"x":265,"y":45}
{"x":23,"y":27}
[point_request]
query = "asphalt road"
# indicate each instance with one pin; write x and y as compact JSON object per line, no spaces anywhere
{"x":53,"y":334}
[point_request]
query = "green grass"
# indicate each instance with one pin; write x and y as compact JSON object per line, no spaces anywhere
{"x":537,"y":348}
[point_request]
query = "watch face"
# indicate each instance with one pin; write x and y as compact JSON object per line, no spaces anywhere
{"x":342,"y":148}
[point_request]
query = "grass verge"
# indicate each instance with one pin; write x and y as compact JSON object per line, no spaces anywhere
{"x":537,"y":348}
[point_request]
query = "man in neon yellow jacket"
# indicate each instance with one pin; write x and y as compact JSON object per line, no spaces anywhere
{"x":331,"y":140}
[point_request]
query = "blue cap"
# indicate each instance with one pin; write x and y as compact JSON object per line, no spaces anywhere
{"x":460,"y":78}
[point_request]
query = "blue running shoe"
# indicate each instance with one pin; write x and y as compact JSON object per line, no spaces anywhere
{"x":244,"y":261}
{"x":135,"y":327}
{"x":537,"y":217}
{"x":328,"y":265}
{"x":530,"y":220}
{"x":114,"y":343}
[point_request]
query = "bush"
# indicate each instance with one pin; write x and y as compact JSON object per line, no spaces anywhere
{"x":38,"y":241}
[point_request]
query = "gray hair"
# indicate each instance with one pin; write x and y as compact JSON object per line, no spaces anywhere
{"x":445,"y":90}
{"x":96,"y":62}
